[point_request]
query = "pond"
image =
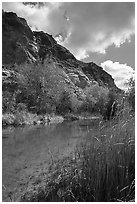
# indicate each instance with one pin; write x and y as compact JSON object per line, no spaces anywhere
{"x":29,"y":150}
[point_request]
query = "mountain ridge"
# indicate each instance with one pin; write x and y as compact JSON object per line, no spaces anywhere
{"x":21,"y":44}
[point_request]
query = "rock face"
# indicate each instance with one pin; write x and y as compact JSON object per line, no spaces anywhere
{"x":20,"y":45}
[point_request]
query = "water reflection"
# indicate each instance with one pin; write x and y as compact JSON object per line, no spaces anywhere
{"x":25,"y":149}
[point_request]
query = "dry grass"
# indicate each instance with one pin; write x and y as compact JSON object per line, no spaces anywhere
{"x":102,"y":169}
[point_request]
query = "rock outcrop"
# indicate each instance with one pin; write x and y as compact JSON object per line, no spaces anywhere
{"x":20,"y":44}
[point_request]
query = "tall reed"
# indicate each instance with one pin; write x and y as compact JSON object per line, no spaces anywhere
{"x":101,"y":169}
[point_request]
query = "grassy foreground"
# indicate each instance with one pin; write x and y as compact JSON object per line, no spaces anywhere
{"x":101,"y":169}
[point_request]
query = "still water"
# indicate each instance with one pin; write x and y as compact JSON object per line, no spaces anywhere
{"x":26,"y":151}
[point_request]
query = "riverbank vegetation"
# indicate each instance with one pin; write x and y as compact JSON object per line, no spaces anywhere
{"x":101,"y":169}
{"x":103,"y":166}
{"x":45,"y":89}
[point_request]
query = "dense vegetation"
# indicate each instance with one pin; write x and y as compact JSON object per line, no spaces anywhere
{"x":101,"y":169}
{"x":43,"y":89}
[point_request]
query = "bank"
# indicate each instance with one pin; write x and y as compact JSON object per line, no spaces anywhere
{"x":21,"y":118}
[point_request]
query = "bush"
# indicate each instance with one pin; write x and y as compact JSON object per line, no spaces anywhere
{"x":21,"y":107}
{"x":8,"y":119}
{"x":97,"y":99}
{"x":8,"y":102}
{"x":131,"y":93}
{"x":64,"y":104}
{"x":86,"y":107}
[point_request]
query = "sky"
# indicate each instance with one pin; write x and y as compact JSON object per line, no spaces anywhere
{"x":102,"y":32}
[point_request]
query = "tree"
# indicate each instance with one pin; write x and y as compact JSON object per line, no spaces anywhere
{"x":31,"y":84}
{"x":97,"y":98}
{"x":42,"y":85}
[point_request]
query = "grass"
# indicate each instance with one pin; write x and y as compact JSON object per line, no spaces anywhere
{"x":101,"y":169}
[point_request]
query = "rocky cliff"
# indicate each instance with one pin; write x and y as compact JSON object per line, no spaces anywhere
{"x":21,"y":45}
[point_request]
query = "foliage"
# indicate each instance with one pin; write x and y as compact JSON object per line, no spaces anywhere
{"x":8,"y":102}
{"x":64,"y":104}
{"x":42,"y":87}
{"x":96,"y":99}
{"x":131,"y":93}
{"x":101,"y":170}
{"x":38,"y":86}
{"x":32,"y":84}
{"x":21,"y":107}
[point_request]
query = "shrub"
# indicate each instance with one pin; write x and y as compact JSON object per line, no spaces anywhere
{"x":131,"y":93}
{"x":8,"y":102}
{"x":21,"y":107}
{"x":97,"y":98}
{"x":64,"y":104}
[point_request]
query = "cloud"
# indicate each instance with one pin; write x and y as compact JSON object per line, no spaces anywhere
{"x":81,"y":54}
{"x":85,"y":27}
{"x":121,"y":73}
{"x":37,"y":15}
{"x":96,"y":26}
